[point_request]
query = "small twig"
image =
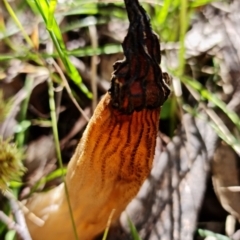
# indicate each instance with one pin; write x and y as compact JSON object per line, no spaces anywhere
{"x":20,"y":225}
{"x":20,"y":219}
{"x":38,"y":221}
{"x":69,"y":91}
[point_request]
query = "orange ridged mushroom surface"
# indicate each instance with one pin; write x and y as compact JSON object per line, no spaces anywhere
{"x":115,"y":153}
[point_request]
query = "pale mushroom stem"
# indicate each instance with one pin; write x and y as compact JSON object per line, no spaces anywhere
{"x":110,"y":164}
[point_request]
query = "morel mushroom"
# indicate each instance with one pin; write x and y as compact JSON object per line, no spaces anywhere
{"x":115,"y":153}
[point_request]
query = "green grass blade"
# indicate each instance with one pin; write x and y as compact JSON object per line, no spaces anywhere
{"x":84,"y":52}
{"x":162,"y":16}
{"x":133,"y":230}
{"x":200,"y":3}
{"x":80,"y":9}
{"x":20,"y":137}
{"x":217,"y":126}
{"x":89,"y":51}
{"x":18,"y":23}
{"x":52,"y":7}
{"x":207,"y":233}
{"x":206,"y":95}
{"x":10,"y":235}
{"x":88,"y":21}
{"x":56,"y":36}
{"x":51,"y":176}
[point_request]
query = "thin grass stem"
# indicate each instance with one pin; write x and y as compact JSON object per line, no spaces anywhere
{"x":58,"y":151}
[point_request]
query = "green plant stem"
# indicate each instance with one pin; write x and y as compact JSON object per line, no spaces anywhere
{"x":20,"y":138}
{"x":58,"y":151}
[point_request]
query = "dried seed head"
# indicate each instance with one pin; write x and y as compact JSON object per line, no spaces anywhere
{"x":5,"y":107}
{"x":11,"y":166}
